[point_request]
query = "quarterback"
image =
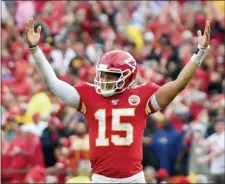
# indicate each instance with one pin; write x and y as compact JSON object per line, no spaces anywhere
{"x":115,"y":112}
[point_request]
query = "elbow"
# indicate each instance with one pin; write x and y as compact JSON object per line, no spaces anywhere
{"x":50,"y":82}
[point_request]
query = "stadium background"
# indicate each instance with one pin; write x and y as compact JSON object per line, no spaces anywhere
{"x":160,"y":35}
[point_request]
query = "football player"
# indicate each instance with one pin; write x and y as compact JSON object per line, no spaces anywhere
{"x":116,"y":113}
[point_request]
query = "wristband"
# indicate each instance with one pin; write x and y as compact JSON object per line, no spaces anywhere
{"x":33,"y":47}
{"x":199,"y":55}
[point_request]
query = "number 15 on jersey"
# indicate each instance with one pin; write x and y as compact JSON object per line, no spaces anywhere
{"x":102,"y":140}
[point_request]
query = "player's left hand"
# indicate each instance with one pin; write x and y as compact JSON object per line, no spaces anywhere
{"x":203,"y":40}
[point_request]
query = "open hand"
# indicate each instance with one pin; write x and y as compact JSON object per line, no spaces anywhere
{"x":203,"y":40}
{"x":32,"y":38}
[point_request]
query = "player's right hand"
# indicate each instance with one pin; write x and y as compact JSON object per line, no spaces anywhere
{"x":32,"y":38}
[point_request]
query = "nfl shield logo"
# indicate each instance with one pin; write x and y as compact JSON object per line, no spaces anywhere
{"x":114,"y":102}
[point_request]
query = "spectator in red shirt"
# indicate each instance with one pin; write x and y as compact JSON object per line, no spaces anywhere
{"x":36,"y":175}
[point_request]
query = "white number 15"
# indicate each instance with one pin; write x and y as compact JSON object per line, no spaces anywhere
{"x":100,"y":115}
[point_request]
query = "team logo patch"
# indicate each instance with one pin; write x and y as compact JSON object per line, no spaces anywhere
{"x":134,"y":100}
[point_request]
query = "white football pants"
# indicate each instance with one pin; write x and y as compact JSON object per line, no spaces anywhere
{"x":137,"y":178}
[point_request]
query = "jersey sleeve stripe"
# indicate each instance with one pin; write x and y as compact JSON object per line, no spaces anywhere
{"x":83,"y":108}
{"x":152,"y":105}
{"x":147,"y":109}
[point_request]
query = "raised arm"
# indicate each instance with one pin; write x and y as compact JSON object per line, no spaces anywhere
{"x":63,"y":90}
{"x":169,"y":91}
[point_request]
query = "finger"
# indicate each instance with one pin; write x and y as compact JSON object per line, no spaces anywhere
{"x":207,"y":36}
{"x":206,"y":26}
{"x":199,"y":33}
{"x":26,"y":31}
{"x":209,"y":28}
{"x":39,"y":30}
{"x":32,"y":23}
{"x":29,"y":24}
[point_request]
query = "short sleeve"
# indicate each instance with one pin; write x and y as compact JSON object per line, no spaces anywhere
{"x":81,"y":89}
{"x":151,"y":105}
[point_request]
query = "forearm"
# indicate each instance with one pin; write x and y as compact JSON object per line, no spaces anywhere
{"x":172,"y":89}
{"x":185,"y":76}
{"x":61,"y":89}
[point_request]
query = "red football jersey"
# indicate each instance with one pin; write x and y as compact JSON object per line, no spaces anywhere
{"x":116,"y":125}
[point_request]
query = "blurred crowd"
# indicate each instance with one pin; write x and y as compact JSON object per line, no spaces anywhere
{"x":43,"y":140}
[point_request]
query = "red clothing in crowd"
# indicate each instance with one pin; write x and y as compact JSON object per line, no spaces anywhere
{"x":196,"y":108}
{"x":21,"y":160}
{"x":6,"y":159}
{"x":36,"y":154}
{"x":177,"y":122}
{"x":204,"y":78}
{"x":30,"y":155}
{"x":64,"y":163}
{"x":36,"y":174}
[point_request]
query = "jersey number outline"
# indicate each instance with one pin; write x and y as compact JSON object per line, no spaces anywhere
{"x":101,"y":140}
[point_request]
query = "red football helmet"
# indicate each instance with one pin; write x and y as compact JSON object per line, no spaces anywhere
{"x":117,"y":62}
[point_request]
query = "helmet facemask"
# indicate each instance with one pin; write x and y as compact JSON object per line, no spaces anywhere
{"x":109,"y":88}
